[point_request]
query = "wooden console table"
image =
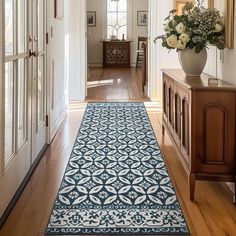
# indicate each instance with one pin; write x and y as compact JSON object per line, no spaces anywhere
{"x":200,"y":119}
{"x":116,"y":54}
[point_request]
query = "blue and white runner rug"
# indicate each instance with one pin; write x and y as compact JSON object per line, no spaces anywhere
{"x":116,"y":181}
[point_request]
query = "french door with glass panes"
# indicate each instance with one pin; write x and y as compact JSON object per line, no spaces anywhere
{"x":24,"y":91}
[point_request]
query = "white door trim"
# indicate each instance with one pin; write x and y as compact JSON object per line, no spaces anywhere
{"x":154,"y":79}
{"x":1,"y":88}
{"x":48,"y":71}
{"x":77,"y":26}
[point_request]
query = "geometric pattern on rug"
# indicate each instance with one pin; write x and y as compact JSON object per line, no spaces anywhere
{"x":116,"y":181}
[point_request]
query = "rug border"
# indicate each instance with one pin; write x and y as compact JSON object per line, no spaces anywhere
{"x":120,"y":102}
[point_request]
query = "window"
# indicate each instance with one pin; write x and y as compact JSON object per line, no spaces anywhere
{"x":116,"y":19}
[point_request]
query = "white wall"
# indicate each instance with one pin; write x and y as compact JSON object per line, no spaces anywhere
{"x":77,"y":63}
{"x":222,"y":63}
{"x":226,"y":63}
{"x":138,"y":5}
{"x":159,"y":57}
{"x":98,"y":33}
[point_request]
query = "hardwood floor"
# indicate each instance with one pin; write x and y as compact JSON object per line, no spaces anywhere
{"x":114,"y":84}
{"x":213,"y":212}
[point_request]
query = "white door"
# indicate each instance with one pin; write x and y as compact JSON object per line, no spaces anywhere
{"x":24,"y":93}
{"x":38,"y":75}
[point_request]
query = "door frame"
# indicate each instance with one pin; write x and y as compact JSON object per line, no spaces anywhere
{"x":2,"y":65}
{"x":48,"y":70}
{"x":154,"y":78}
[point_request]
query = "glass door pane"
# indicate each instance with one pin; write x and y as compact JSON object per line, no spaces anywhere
{"x":21,"y":26}
{"x":40,"y":62}
{"x":16,"y":58}
{"x":22,"y":105}
{"x":40,"y":25}
{"x":40,"y":88}
{"x":9,"y":110}
{"x":9,"y":27}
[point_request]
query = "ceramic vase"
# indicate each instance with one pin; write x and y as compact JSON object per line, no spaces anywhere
{"x":192,"y":63}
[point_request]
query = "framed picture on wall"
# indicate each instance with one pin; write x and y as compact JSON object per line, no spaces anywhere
{"x":91,"y":18}
{"x":142,"y":18}
{"x":59,"y":9}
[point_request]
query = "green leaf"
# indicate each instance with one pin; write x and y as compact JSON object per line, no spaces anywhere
{"x":220,"y":45}
{"x":177,"y":18}
{"x":171,"y":24}
{"x":167,"y":18}
{"x":198,"y":48}
{"x":173,"y":11}
{"x":191,"y":45}
{"x":164,"y":44}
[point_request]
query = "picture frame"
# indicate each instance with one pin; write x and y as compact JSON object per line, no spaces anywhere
{"x":91,"y":18}
{"x":226,"y":7}
{"x":59,"y":9}
{"x":142,"y":18}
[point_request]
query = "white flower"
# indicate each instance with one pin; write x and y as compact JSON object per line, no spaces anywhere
{"x":181,"y":44}
{"x":184,"y":37}
{"x":172,"y":41}
{"x":180,"y":28}
{"x":218,"y":28}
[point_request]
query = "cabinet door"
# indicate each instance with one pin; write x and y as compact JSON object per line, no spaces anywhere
{"x":165,"y":99}
{"x":182,"y":126}
{"x":116,"y":54}
{"x":110,"y":57}
{"x":171,"y":105}
{"x":185,"y":125}
{"x":122,"y":53}
{"x":178,"y":115}
{"x":214,"y":131}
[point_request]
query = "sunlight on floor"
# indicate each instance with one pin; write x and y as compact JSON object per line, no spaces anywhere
{"x":97,"y":83}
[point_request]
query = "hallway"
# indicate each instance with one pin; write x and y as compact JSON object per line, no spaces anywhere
{"x":44,"y":98}
{"x":114,"y":84}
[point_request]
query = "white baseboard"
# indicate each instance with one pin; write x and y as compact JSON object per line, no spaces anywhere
{"x":100,"y":64}
{"x":77,"y":105}
{"x":95,"y":64}
{"x":54,"y":128}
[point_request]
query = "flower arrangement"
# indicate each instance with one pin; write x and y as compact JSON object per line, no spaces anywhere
{"x":194,"y":28}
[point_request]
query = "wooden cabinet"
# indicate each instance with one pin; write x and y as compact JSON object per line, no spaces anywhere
{"x":116,"y":54}
{"x":200,"y":119}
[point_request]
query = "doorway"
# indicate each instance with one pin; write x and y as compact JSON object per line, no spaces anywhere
{"x":113,"y":29}
{"x":24,"y":92}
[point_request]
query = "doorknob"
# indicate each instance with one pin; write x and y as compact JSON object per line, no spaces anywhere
{"x":32,"y":53}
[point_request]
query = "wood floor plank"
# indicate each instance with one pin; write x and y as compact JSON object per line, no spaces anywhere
{"x":110,"y":84}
